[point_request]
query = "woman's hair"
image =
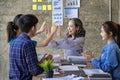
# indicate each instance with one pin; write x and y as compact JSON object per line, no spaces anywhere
{"x":26,"y":22}
{"x":118,"y":36}
{"x":12,"y":28}
{"x":110,"y":26}
{"x":78,"y":24}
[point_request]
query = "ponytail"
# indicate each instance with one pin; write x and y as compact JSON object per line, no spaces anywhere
{"x":12,"y":28}
{"x":118,"y":35}
{"x":11,"y":31}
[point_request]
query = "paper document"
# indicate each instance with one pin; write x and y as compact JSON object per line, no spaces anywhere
{"x":90,"y":72}
{"x":39,"y":56}
{"x":80,"y":65}
{"x":56,"y":57}
{"x":97,"y":74}
{"x":69,"y":68}
{"x":69,"y":77}
{"x":76,"y":58}
{"x":56,"y":64}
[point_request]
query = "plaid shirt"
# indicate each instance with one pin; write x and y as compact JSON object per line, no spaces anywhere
{"x":23,"y":59}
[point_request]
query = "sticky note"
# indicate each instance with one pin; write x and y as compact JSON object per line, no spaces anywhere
{"x":34,"y":7}
{"x":44,"y":7}
{"x":39,"y":7}
{"x":49,"y":7}
{"x":49,"y":1}
{"x":39,"y":0}
{"x":34,"y":0}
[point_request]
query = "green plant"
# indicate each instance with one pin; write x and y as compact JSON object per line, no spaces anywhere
{"x":47,"y":65}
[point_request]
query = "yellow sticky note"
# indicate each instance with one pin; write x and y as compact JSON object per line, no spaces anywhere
{"x":34,"y":0}
{"x":39,"y":0}
{"x":34,"y":7}
{"x":44,"y":7}
{"x":49,"y":7}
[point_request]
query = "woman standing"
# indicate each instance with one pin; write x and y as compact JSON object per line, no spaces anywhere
{"x":73,"y":42}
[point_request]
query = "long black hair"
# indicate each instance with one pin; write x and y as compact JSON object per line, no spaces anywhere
{"x":78,"y":24}
{"x":12,"y":28}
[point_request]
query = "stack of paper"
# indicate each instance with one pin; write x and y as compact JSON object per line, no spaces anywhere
{"x":97,"y":73}
{"x":76,"y":59}
{"x":69,"y":68}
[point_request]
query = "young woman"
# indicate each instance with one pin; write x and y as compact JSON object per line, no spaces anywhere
{"x":13,"y":31}
{"x":73,"y":42}
{"x":109,"y":60}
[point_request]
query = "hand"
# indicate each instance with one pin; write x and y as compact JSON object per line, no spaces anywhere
{"x":54,"y":28}
{"x":49,"y":57}
{"x":42,"y":28}
{"x":46,"y":57}
{"x":43,"y":59}
{"x":59,"y":32}
{"x":88,"y":55}
{"x":47,"y":32}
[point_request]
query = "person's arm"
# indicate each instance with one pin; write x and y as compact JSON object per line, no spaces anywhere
{"x":67,"y":43}
{"x":59,"y":33}
{"x":89,"y":55}
{"x":42,"y":28}
{"x":109,"y":62}
{"x":46,"y":57}
{"x":49,"y":37}
{"x":31,"y":59}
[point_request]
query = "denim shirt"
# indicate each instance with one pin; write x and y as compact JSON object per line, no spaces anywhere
{"x":72,"y":47}
{"x":109,"y":60}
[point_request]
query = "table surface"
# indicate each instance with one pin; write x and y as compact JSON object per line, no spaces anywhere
{"x":88,"y":66}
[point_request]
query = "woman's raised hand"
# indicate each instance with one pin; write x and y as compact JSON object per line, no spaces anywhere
{"x":54,"y":27}
{"x":42,"y":28}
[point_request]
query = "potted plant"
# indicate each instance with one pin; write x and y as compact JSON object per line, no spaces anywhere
{"x":47,"y":65}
